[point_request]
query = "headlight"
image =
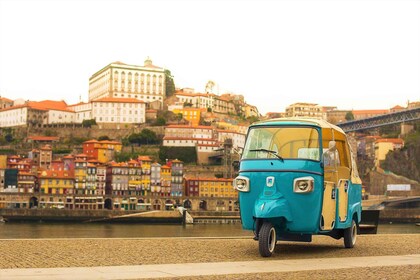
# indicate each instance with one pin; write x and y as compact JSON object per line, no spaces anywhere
{"x":241,"y":184}
{"x":303,"y":185}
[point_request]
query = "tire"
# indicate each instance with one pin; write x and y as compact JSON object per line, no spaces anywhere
{"x":267,"y":239}
{"x":350,"y":235}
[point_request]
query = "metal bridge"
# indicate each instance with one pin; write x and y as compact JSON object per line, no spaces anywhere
{"x":382,"y":120}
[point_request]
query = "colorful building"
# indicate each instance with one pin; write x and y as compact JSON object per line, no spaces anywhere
{"x":103,"y":151}
{"x":177,"y":184}
{"x":216,"y":187}
{"x":384,"y":145}
{"x":56,"y":182}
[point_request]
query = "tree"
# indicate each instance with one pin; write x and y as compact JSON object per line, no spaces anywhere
{"x":169,"y":83}
{"x":349,"y":116}
{"x":103,"y":137}
{"x":88,"y":123}
{"x":160,"y":121}
{"x":210,"y":86}
{"x":179,"y":117}
{"x":148,"y":136}
{"x":8,"y":137}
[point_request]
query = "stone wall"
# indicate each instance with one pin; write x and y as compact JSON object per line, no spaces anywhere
{"x":379,"y":181}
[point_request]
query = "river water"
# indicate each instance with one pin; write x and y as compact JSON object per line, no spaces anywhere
{"x":85,"y":230}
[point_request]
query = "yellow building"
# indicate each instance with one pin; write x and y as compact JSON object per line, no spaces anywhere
{"x":3,"y":161}
{"x":134,"y":177}
{"x":216,"y":187}
{"x":383,"y":146}
{"x":145,"y":163}
{"x":56,"y":182}
{"x":192,"y":115}
{"x":165,"y":180}
{"x":103,"y":151}
{"x":80,"y":174}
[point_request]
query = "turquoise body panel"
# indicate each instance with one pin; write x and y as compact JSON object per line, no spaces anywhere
{"x":354,"y":206}
{"x":301,"y":211}
{"x":290,"y":211}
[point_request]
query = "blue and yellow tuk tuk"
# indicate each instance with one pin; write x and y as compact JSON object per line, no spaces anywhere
{"x":298,"y":178}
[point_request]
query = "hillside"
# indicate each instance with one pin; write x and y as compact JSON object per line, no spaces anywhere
{"x":405,"y":162}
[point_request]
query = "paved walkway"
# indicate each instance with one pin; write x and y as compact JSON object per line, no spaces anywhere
{"x":204,"y":269}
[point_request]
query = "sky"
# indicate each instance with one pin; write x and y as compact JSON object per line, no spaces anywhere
{"x":350,"y":54}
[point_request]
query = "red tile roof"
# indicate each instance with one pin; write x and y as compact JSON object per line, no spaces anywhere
{"x":189,"y":126}
{"x":362,"y":112}
{"x":390,"y":140}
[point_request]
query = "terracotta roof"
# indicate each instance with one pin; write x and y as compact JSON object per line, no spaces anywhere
{"x":91,"y":141}
{"x":6,"y":99}
{"x":361,"y":112}
{"x":189,"y":126}
{"x":144,"y":158}
{"x":81,"y":155}
{"x":390,"y":140}
{"x":397,"y":107}
{"x":49,"y":104}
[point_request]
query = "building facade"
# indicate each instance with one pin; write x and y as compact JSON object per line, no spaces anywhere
{"x":119,"y":80}
{"x":311,"y":110}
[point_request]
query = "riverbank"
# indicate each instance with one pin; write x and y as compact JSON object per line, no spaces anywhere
{"x":49,"y":253}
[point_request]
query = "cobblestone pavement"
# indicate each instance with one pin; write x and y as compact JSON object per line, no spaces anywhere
{"x":43,"y":253}
{"x":408,"y":272}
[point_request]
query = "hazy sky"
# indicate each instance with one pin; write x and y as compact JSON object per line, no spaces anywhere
{"x":350,"y":54}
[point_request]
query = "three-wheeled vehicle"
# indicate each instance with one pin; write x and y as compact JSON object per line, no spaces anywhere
{"x":298,"y":178}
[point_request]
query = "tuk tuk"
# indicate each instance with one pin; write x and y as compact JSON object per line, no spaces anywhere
{"x":297,"y":177}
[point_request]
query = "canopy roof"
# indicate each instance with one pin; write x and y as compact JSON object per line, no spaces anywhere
{"x":329,"y":131}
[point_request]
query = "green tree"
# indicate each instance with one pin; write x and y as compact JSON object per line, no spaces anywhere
{"x":148,"y":136}
{"x":169,"y":83}
{"x":179,"y":117}
{"x":88,"y":123}
{"x":160,"y":121}
{"x":134,"y":138}
{"x":103,"y":137}
{"x":185,"y":154}
{"x":349,"y":116}
{"x":8,"y":137}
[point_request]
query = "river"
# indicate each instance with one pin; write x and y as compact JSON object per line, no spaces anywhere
{"x":90,"y":230}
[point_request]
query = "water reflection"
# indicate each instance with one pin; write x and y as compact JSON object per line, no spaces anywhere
{"x":80,"y":230}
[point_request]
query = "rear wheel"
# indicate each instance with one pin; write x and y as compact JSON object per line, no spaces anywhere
{"x":267,"y":239}
{"x":350,"y":235}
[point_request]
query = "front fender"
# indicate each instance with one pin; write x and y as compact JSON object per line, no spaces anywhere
{"x":272,"y":208}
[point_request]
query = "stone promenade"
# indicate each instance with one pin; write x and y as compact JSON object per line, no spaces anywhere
{"x":123,"y":253}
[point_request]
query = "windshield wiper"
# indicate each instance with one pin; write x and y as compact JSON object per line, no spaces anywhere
{"x":268,"y":151}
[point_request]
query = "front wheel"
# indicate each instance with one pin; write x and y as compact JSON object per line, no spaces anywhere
{"x":350,"y":235}
{"x":267,"y":239}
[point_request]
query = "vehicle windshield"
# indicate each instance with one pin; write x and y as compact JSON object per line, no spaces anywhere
{"x":282,"y":143}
